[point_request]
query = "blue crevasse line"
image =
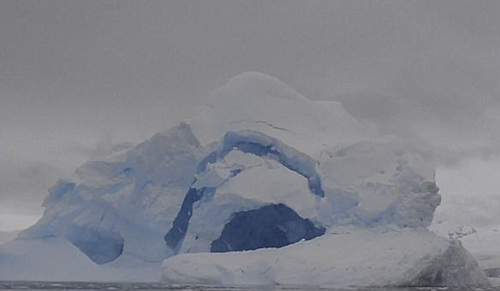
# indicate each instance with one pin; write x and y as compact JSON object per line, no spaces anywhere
{"x":181,"y":221}
{"x":209,"y":159}
{"x":263,"y":145}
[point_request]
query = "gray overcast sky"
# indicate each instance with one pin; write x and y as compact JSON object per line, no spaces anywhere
{"x":77,"y":76}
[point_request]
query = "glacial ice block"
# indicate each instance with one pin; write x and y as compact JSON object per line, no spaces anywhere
{"x":349,"y":258}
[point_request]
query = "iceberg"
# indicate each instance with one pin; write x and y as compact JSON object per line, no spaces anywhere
{"x":260,"y":186}
{"x":480,"y":241}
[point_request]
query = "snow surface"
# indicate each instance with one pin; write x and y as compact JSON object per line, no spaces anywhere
{"x":261,"y":103}
{"x":257,"y":144}
{"x":55,"y":259}
{"x":350,"y":259}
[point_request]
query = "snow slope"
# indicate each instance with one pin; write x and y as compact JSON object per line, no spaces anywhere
{"x":56,"y":259}
{"x":46,"y":259}
{"x":258,"y":151}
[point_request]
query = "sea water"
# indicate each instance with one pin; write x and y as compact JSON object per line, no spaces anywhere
{"x":31,"y":285}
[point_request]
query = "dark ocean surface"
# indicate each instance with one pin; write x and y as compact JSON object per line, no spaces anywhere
{"x":21,"y":285}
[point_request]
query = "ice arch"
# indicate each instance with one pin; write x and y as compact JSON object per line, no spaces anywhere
{"x":251,"y":142}
{"x":263,"y":145}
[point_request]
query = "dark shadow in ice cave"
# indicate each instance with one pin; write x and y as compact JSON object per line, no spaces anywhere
{"x":274,"y":225}
{"x":101,"y":247}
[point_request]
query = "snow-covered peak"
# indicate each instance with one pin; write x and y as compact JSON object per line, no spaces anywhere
{"x":255,"y":84}
{"x":255,"y":101}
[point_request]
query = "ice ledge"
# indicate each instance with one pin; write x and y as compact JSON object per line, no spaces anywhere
{"x":361,"y":258}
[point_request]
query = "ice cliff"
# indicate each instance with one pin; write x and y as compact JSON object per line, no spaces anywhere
{"x":260,"y":186}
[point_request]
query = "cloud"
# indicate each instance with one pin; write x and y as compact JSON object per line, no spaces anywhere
{"x":470,"y":194}
{"x":449,"y":106}
{"x":436,"y":81}
{"x":73,"y":72}
{"x":24,"y":184}
{"x":27,"y":172}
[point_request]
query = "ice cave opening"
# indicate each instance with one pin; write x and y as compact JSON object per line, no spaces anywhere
{"x":101,"y":247}
{"x":275,"y":225}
